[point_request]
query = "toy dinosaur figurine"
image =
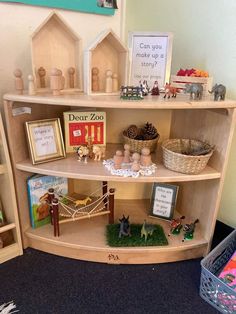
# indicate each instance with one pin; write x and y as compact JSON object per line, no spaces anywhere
{"x":189,"y":230}
{"x":124,"y":227}
{"x":147,"y":229}
{"x":176,"y":225}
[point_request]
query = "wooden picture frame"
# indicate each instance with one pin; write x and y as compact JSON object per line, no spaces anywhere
{"x":150,"y":58}
{"x":45,"y":140}
{"x":163,"y":200}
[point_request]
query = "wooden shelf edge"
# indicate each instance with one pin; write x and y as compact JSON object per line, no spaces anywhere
{"x":10,"y":252}
{"x":7,"y":227}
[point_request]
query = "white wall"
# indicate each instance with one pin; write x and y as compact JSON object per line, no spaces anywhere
{"x":204,"y":38}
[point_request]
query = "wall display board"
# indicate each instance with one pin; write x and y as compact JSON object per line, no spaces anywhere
{"x":150,"y":57}
{"x":105,"y":7}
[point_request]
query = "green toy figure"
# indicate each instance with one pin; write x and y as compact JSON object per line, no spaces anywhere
{"x":176,"y":225}
{"x":189,"y":230}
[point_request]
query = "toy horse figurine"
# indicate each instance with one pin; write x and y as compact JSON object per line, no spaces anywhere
{"x":124,"y":227}
{"x":170,"y":90}
{"x":189,"y":230}
{"x":176,"y":225}
{"x":146,"y":230}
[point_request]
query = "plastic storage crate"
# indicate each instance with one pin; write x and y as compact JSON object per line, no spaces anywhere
{"x":212,"y":289}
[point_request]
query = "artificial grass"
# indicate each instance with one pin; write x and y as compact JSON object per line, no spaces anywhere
{"x":158,"y":237}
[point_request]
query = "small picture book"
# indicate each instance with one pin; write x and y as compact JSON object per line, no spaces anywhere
{"x":37,"y":186}
{"x":81,"y":125}
{"x":228,"y":274}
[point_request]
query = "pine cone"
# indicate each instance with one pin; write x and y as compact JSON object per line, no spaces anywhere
{"x":149,"y":131}
{"x":132,"y":131}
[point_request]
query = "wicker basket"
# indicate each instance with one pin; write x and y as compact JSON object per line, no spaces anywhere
{"x":137,"y":145}
{"x":174,"y":160}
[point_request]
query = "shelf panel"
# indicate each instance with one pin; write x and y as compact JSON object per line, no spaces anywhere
{"x":9,"y":252}
{"x":2,"y":169}
{"x":7,"y":227}
{"x":70,"y":167}
{"x":149,"y":102}
{"x":85,"y":239}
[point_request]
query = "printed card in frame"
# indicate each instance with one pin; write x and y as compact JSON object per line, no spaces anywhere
{"x":150,"y":54}
{"x":45,"y":140}
{"x":163,"y":200}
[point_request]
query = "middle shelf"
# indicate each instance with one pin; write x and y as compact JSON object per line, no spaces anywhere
{"x":70,"y":167}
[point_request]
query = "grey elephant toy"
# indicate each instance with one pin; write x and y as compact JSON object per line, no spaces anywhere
{"x":219,"y":91}
{"x":195,"y":90}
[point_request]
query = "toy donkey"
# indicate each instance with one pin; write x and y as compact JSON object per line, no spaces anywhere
{"x":146,"y":230}
{"x":124,"y":227}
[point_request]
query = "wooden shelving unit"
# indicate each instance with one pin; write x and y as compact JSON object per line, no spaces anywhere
{"x":199,"y":195}
{"x":8,"y":198}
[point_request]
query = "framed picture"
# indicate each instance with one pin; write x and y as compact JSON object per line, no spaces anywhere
{"x":163,"y":200}
{"x":45,"y":140}
{"x":151,"y":54}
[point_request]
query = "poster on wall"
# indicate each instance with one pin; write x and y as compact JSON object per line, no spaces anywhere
{"x":105,"y":7}
{"x":150,"y":58}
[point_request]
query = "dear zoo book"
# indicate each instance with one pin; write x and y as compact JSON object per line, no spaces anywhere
{"x":37,"y":186}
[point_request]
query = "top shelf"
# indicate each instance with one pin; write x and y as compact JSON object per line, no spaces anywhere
{"x":110,"y":101}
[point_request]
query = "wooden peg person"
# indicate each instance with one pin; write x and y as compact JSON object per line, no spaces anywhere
{"x":108,"y":86}
{"x":55,"y":82}
{"x":145,"y":159}
{"x":42,"y":75}
{"x":71,"y":72}
{"x":126,"y":153}
{"x":31,"y":85}
{"x":115,"y":86}
{"x":19,"y":84}
{"x":95,"y":79}
{"x":62,"y":79}
{"x":118,"y":159}
{"x":136,"y":162}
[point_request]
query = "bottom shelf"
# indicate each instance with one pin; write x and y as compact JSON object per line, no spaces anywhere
{"x":9,"y":252}
{"x":85,"y":240}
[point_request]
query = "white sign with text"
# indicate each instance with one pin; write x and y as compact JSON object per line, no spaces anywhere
{"x":44,"y":139}
{"x":163,"y":201}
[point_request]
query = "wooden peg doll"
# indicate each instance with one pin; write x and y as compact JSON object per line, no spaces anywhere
{"x":108,"y":86}
{"x":31,"y":85}
{"x":71,"y":73}
{"x":118,"y":159}
{"x":115,"y":86}
{"x":62,"y":80}
{"x":126,"y":153}
{"x":145,"y":159}
{"x":55,"y":81}
{"x":42,"y":74}
{"x":136,"y":162}
{"x":19,"y":84}
{"x":95,"y":79}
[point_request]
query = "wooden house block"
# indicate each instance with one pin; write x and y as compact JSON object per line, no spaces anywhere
{"x":107,"y":53}
{"x":181,"y":81}
{"x":55,"y":45}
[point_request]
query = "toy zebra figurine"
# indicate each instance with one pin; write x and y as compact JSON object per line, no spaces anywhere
{"x":147,"y":229}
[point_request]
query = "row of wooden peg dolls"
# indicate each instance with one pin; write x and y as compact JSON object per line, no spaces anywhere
{"x":111,"y":81}
{"x":57,"y":80}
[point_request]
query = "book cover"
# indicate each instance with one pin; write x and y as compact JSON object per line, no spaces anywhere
{"x":80,"y":125}
{"x":228,"y":274}
{"x":37,"y":186}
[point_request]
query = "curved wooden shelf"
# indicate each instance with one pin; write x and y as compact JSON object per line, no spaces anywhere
{"x":70,"y":167}
{"x":149,"y":102}
{"x":85,"y":240}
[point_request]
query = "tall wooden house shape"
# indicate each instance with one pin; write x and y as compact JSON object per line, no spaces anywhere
{"x":107,"y":52}
{"x":55,"y":45}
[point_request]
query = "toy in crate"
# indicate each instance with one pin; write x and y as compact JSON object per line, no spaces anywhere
{"x":217,"y":285}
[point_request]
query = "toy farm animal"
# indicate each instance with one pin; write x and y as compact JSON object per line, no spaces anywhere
{"x":195,"y":90}
{"x":189,"y":230}
{"x":83,"y":153}
{"x":170,"y":90}
{"x":219,"y":91}
{"x":99,"y":152}
{"x":147,"y":229}
{"x":124,"y":227}
{"x":82,"y":202}
{"x":176,"y":225}
{"x":144,"y":87}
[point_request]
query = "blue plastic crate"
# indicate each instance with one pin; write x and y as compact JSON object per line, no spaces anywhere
{"x":212,"y":289}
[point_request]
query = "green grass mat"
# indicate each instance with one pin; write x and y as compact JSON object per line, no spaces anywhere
{"x":158,"y":237}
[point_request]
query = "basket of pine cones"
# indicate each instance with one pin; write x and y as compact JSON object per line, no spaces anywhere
{"x":140,"y":137}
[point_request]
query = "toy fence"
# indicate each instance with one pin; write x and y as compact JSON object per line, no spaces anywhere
{"x":212,"y":289}
{"x":180,"y":81}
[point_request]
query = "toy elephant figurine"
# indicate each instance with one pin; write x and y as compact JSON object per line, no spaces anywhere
{"x":219,"y":91}
{"x":195,"y":90}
